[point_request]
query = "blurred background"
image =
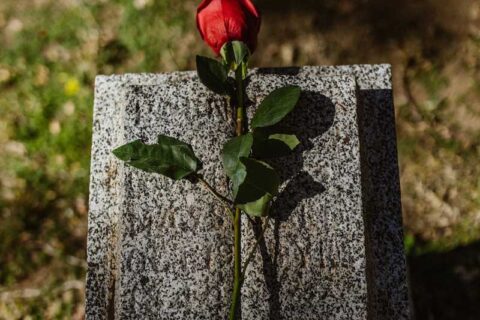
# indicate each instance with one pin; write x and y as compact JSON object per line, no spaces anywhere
{"x":51,"y":50}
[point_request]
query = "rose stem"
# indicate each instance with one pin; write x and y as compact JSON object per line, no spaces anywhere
{"x":226,"y":202}
{"x":237,"y":222}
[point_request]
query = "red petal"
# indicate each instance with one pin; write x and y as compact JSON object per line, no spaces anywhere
{"x":203,"y":5}
{"x":220,"y":21}
{"x":211,"y":24}
{"x":235,"y":20}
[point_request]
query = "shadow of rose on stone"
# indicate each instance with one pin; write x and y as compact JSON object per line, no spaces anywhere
{"x":313,"y":116}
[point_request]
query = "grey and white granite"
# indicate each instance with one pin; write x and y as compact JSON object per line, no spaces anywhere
{"x":159,"y":249}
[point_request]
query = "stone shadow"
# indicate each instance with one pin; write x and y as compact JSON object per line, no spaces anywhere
{"x":381,"y":203}
{"x":312,"y":117}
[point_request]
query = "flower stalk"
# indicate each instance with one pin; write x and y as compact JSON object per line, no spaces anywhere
{"x":237,"y":272}
{"x":237,"y":222}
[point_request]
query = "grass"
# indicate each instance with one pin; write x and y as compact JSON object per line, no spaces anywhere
{"x":52,"y":51}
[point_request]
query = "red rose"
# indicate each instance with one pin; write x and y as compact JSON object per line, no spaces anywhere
{"x":221,"y":21}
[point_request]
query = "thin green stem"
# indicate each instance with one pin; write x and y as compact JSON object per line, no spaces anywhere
{"x":237,"y":223}
{"x":237,"y":272}
{"x":226,"y":202}
{"x":240,"y":102}
{"x":254,"y":248}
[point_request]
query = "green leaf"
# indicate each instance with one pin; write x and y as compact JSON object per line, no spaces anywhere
{"x":274,"y":145}
{"x":233,"y":150}
{"x":258,"y":188}
{"x":290,"y":140}
{"x":257,"y":208}
{"x":213,"y":75}
{"x":169,"y":157}
{"x":276,"y":106}
{"x":235,"y":54}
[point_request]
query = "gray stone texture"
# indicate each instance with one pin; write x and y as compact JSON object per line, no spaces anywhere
{"x":159,"y":249}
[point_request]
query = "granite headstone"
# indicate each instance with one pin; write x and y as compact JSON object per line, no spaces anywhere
{"x":159,"y":249}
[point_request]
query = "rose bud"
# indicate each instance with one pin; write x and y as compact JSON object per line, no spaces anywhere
{"x":222,"y":21}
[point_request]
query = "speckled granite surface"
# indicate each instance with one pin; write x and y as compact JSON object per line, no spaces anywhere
{"x":163,"y":250}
